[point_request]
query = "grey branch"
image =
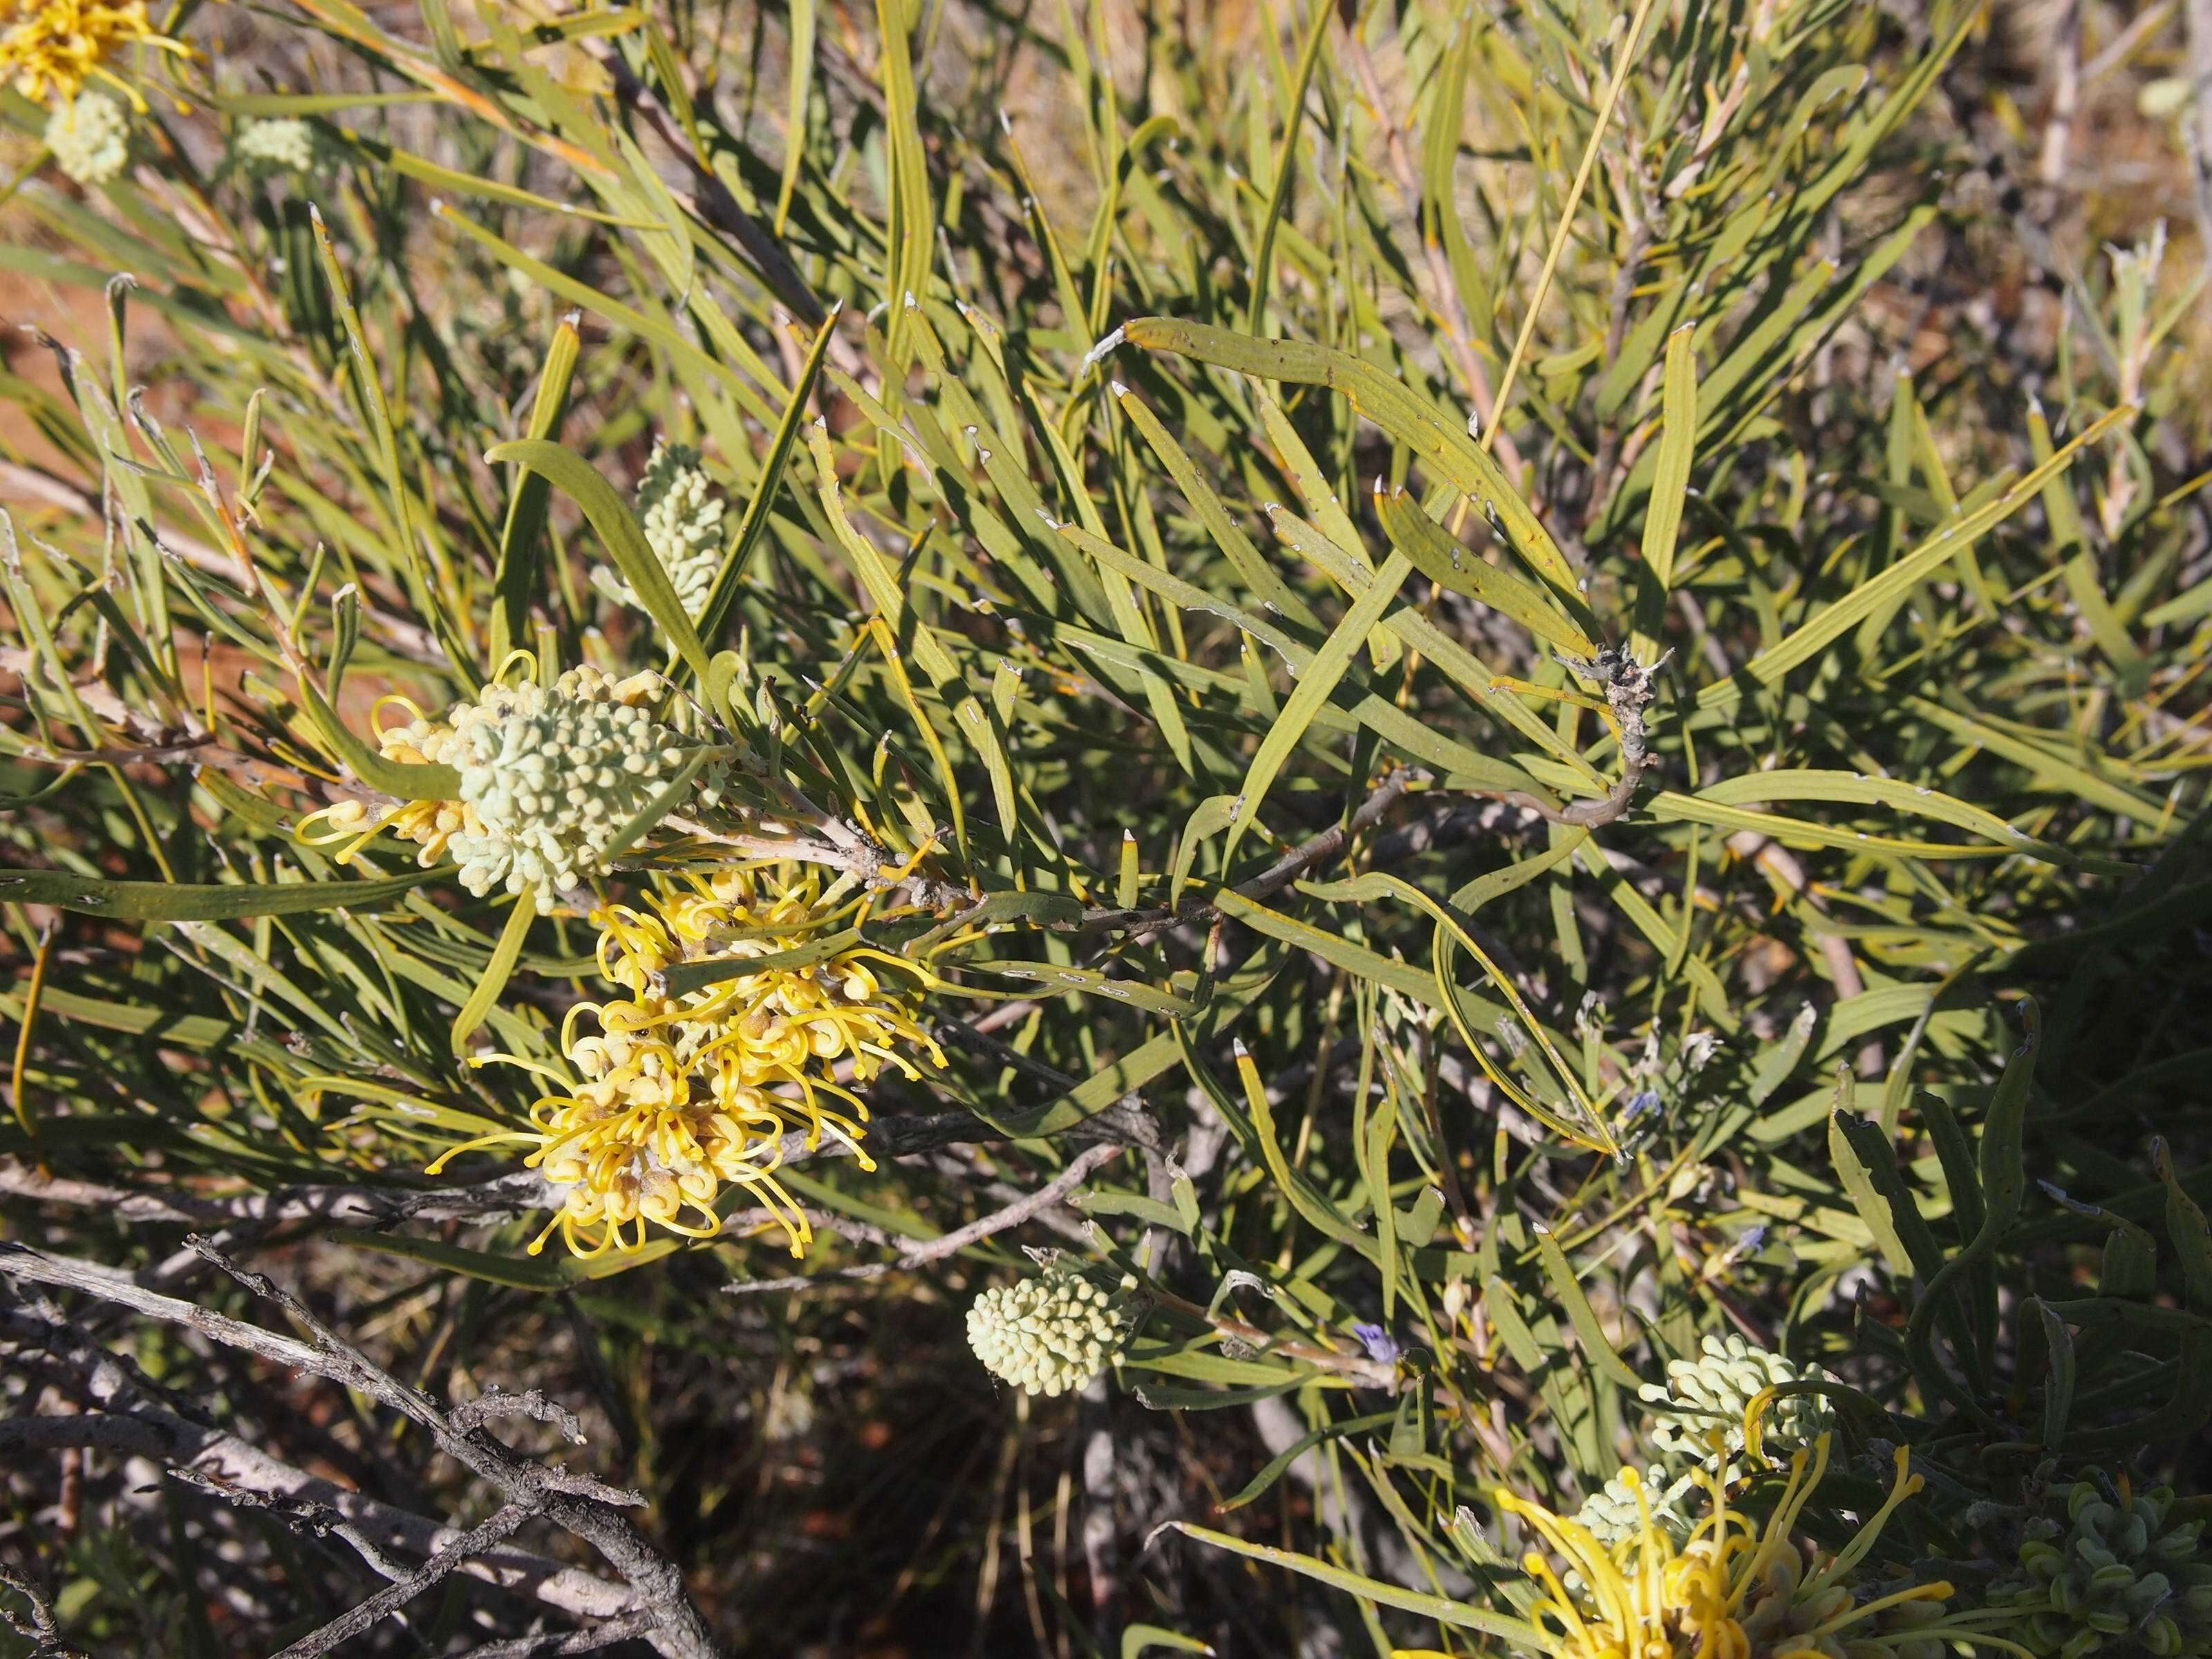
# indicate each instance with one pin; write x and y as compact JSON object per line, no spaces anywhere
{"x":398,"y":1593}
{"x":131,"y":1420}
{"x":494,"y":1403}
{"x":577,"y":1503}
{"x":38,"y":1625}
{"x":937,"y":1249}
{"x":334,"y":1206}
{"x":301,"y":1515}
{"x":552,"y":1642}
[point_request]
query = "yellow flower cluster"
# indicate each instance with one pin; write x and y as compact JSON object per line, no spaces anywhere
{"x":431,"y":824}
{"x":1733,"y":1590}
{"x":57,"y":45}
{"x":685,"y":1094}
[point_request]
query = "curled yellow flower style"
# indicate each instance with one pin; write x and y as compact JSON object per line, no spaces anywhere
{"x":683,"y":1095}
{"x":57,"y":45}
{"x":1734,"y":1590}
{"x":431,"y":824}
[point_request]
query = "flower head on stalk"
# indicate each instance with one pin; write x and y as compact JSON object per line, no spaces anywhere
{"x":550,"y":776}
{"x":1732,"y":1589}
{"x":686,"y":1093}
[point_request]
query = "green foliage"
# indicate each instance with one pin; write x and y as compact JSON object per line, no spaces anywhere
{"x":1193,"y":555}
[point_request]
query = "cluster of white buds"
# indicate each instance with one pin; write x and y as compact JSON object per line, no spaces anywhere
{"x":1612,"y":1513}
{"x":90,"y":138}
{"x":682,"y":514}
{"x":285,"y":143}
{"x":551,"y":776}
{"x":1049,"y":1335}
{"x":1713,"y":1392}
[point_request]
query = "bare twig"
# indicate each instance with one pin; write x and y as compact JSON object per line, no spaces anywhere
{"x":389,"y":1600}
{"x":131,"y":1419}
{"x":960,"y":1238}
{"x":339,"y":1360}
{"x":893,"y":1137}
{"x":302,"y":1514}
{"x":333,"y":1206}
{"x":1079,"y":1170}
{"x":151,"y":739}
{"x":553,"y":1642}
{"x":1317,"y":850}
{"x":38,"y":1626}
{"x":1628,"y":691}
{"x":494,"y":1403}
{"x":582,"y":1505}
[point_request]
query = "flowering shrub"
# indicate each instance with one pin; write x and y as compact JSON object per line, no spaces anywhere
{"x":1501,"y":709}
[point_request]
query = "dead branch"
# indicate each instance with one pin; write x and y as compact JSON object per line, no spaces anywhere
{"x":389,"y":1600}
{"x":133,"y":1418}
{"x":552,"y":1642}
{"x":960,"y":1238}
{"x":38,"y":1626}
{"x":582,"y":1505}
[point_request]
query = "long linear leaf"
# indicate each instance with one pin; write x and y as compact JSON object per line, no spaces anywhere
{"x":619,"y":532}
{"x":1392,"y":406}
{"x":1770,"y":665}
{"x":1314,"y":684}
{"x":1525,"y":1637}
{"x":1446,"y":562}
{"x":163,"y":901}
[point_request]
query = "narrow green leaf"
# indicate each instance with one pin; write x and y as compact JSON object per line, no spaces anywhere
{"x":1314,"y":684}
{"x":2058,"y":1381}
{"x":514,"y":582}
{"x":618,"y":532}
{"x":1279,"y":1465}
{"x":1450,"y":564}
{"x":1526,"y":1638}
{"x":1858,"y":1186}
{"x":1139,"y":1639}
{"x":1596,"y":1347}
{"x":519,"y":916}
{"x":912,"y":229}
{"x":1770,"y":665}
{"x":724,"y":593}
{"x":1259,"y":576}
{"x":1662,"y":511}
{"x":163,"y":901}
{"x":542,"y":1274}
{"x":1278,"y":190}
{"x":1394,"y":407}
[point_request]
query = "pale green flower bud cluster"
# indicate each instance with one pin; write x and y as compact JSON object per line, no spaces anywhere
{"x":90,"y":138}
{"x":1787,"y":1611}
{"x":2119,"y":1574}
{"x":552,"y":776}
{"x":1611,"y":1514}
{"x":285,"y":144}
{"x":1050,"y":1335}
{"x":681,"y":516}
{"x":1712,"y":1392}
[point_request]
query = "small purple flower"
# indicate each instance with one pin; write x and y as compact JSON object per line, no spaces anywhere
{"x":1639,"y":1104}
{"x":1380,"y":1345}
